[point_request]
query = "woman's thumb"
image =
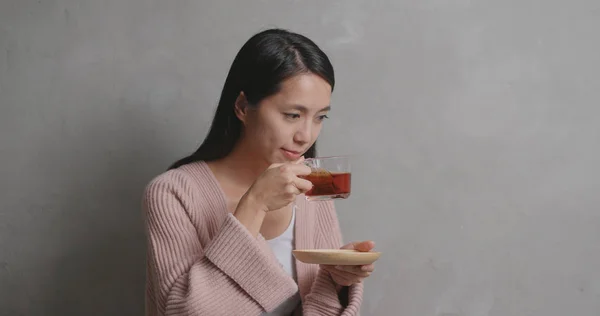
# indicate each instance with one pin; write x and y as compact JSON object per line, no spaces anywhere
{"x":364,"y":246}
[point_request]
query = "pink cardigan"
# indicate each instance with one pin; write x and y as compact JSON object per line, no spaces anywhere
{"x":202,"y":261}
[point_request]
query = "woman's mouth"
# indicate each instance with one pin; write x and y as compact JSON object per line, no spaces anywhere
{"x":291,"y":154}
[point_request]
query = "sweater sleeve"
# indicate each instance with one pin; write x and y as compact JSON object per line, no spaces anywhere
{"x":324,"y":298}
{"x":230,"y":275}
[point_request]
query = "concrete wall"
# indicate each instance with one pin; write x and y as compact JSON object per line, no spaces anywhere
{"x":475,"y":126}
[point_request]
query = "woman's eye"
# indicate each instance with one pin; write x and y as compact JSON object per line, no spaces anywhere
{"x":323,"y":117}
{"x":292,"y":115}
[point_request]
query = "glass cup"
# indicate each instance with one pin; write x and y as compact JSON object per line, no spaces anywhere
{"x":330,"y":177}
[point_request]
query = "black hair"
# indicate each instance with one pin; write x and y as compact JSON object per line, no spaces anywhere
{"x":259,"y":68}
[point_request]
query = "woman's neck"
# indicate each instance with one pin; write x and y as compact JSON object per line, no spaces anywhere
{"x":242,"y":165}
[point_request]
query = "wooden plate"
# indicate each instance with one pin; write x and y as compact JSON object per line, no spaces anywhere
{"x":336,"y":256}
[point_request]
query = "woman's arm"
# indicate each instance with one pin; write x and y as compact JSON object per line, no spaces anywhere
{"x":325,"y":296}
{"x":230,"y":275}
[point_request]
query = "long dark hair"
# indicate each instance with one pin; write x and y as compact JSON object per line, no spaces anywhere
{"x":265,"y":60}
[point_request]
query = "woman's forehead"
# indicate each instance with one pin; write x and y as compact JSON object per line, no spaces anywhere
{"x":304,"y":92}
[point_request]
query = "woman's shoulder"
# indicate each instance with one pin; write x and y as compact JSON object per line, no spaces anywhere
{"x":181,"y":194}
{"x":187,"y":181}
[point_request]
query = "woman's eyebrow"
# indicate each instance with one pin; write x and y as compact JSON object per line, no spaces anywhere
{"x":304,"y":109}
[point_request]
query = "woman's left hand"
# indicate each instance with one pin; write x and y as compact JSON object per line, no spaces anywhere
{"x":348,"y":275}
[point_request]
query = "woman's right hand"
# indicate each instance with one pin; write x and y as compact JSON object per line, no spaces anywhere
{"x":275,"y":188}
{"x":279,"y":185}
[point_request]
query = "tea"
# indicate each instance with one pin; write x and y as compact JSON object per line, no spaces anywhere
{"x":328,"y":185}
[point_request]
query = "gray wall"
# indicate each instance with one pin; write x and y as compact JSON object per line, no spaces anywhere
{"x":475,"y":126}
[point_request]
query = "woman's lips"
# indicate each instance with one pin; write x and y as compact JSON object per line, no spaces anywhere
{"x":291,"y":154}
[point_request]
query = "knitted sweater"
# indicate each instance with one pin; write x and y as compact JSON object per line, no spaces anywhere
{"x":202,"y":261}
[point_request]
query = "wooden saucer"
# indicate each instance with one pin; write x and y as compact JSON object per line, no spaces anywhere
{"x":336,"y":256}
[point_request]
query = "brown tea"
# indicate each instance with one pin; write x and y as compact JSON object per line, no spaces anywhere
{"x":328,"y":185}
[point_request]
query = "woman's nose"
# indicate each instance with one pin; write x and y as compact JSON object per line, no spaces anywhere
{"x":303,"y":134}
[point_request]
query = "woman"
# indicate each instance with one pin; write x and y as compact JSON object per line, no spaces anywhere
{"x":222,"y":224}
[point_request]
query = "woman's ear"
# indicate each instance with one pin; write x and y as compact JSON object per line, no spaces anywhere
{"x":241,"y":107}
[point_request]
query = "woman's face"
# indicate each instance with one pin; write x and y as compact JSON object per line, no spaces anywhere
{"x":285,"y":125}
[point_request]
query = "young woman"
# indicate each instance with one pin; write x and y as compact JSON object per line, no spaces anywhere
{"x":221,"y":223}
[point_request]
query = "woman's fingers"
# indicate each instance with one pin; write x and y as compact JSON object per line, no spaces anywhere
{"x":354,"y":270}
{"x":350,"y":271}
{"x":300,"y":169}
{"x":368,"y":267}
{"x":363,"y":246}
{"x":302,"y":184}
{"x":344,"y":278}
{"x":292,"y":189}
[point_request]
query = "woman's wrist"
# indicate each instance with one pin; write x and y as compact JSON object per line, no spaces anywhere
{"x":251,"y":213}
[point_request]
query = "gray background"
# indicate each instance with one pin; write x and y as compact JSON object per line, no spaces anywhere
{"x":474,"y":125}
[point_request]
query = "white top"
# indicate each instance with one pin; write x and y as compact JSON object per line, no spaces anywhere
{"x":282,"y":247}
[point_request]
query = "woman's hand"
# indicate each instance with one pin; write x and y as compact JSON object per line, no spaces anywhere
{"x":279,"y":185}
{"x":275,"y":188}
{"x":348,"y":275}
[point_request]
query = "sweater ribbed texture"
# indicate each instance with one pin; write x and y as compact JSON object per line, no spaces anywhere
{"x":202,"y":261}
